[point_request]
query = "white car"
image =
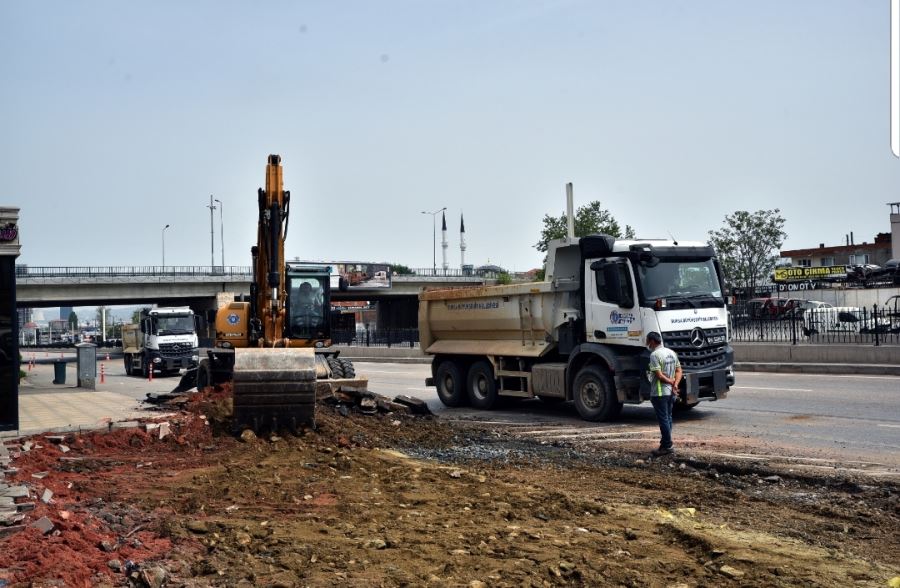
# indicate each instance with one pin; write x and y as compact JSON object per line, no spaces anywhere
{"x":833,"y":319}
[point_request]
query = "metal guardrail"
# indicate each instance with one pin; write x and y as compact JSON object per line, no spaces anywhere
{"x":376,"y":338}
{"x":25,"y":272}
{"x":850,"y":325}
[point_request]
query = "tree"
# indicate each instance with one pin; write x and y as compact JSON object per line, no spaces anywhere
{"x":73,"y":321}
{"x":589,"y":220}
{"x":400,"y":270}
{"x":747,"y":246}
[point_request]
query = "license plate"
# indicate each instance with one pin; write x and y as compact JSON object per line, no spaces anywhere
{"x":716,"y":339}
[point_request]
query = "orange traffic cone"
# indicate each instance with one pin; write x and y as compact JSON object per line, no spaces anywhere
{"x":150,"y":373}
{"x":107,"y":356}
{"x":102,"y":373}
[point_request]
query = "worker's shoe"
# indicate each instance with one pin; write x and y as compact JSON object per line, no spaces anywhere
{"x":663,"y":451}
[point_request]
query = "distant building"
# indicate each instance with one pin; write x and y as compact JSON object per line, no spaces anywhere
{"x":64,"y":312}
{"x":26,"y":315}
{"x":876,"y":253}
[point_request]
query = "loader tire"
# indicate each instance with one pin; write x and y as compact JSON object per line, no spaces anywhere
{"x":349,"y":370}
{"x":450,"y":384}
{"x":595,"y":394}
{"x":336,"y":367}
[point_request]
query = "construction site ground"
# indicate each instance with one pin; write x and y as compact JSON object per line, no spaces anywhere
{"x":392,"y":499}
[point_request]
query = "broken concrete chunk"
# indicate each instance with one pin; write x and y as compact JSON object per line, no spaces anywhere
{"x":115,"y":565}
{"x":12,"y":530}
{"x":40,"y":475}
{"x":46,"y":496}
{"x":416,"y":406}
{"x":15,"y":492}
{"x":731,"y":572}
{"x":247,"y":436}
{"x":64,"y":449}
{"x":55,"y":439}
{"x":164,"y":430}
{"x":375,"y":544}
{"x":197,"y":526}
{"x":27,"y":446}
{"x":368,"y":405}
{"x":154,"y":577}
{"x":773,"y":479}
{"x":43,"y":524}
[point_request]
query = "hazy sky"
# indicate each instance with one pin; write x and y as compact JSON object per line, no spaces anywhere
{"x":117,"y":118}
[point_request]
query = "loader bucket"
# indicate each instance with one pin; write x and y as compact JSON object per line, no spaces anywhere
{"x":274,"y":389}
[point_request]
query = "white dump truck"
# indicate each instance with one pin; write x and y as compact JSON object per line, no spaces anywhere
{"x":580,"y":335}
{"x":164,"y":340}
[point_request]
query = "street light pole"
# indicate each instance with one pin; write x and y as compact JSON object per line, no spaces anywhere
{"x":221,"y":231}
{"x":434,"y":238}
{"x":212,"y":235}
{"x":164,"y":244}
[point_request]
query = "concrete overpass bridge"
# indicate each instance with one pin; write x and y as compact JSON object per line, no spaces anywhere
{"x":197,"y":287}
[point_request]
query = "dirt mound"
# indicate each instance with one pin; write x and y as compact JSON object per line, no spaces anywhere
{"x":392,"y":499}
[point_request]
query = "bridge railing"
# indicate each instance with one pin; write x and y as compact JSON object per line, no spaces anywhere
{"x":30,"y":271}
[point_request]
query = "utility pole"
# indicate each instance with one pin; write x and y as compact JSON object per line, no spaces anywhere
{"x":212,"y":234}
{"x":221,"y":231}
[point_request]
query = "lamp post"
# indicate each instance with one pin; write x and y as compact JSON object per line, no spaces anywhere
{"x":434,"y":237}
{"x":212,"y":235}
{"x":164,"y":244}
{"x":221,"y":231}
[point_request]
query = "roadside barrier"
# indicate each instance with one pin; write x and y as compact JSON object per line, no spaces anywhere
{"x":150,"y":373}
{"x":102,"y":373}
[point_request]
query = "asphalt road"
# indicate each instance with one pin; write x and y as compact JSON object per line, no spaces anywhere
{"x":816,"y":422}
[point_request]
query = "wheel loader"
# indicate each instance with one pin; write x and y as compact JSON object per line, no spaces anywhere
{"x":274,"y":344}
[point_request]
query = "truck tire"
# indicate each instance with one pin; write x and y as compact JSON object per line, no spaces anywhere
{"x":481,"y":385}
{"x":145,"y":367}
{"x":337,"y":368}
{"x":128,"y":369}
{"x":595,"y":394}
{"x":448,"y":380}
{"x":349,"y":370}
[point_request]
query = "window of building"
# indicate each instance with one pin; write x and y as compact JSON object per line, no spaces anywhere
{"x":827,"y":261}
{"x":804,"y":262}
{"x":859,"y":259}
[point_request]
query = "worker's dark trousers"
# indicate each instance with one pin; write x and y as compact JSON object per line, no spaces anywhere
{"x":663,"y":406}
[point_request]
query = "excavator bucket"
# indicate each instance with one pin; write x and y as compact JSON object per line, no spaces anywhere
{"x":274,"y":389}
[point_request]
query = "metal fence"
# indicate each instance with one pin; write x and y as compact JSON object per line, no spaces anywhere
{"x":755,"y":322}
{"x":376,"y":337}
{"x":27,"y":271}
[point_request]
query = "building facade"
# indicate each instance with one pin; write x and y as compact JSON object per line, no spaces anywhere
{"x":876,"y":253}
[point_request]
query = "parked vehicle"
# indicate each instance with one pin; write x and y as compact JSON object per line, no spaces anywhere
{"x":833,"y":319}
{"x":580,"y":335}
{"x":164,"y":340}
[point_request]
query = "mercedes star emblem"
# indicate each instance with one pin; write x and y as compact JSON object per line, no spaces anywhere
{"x":697,"y":338}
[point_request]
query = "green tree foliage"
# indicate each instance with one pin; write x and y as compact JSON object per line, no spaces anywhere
{"x":504,"y":278}
{"x":400,"y":270}
{"x":136,"y":317}
{"x":748,"y":245}
{"x":73,"y":321}
{"x":589,"y":220}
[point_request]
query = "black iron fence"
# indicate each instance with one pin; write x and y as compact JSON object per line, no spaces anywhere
{"x":763,"y":322}
{"x":376,"y":337}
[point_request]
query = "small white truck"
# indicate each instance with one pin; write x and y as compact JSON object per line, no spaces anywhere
{"x":164,"y":340}
{"x":580,"y":335}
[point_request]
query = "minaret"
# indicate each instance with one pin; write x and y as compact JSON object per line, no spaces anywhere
{"x":462,"y":242}
{"x":444,"y":241}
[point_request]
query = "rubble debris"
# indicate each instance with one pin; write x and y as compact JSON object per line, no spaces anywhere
{"x":47,"y":496}
{"x":731,"y":572}
{"x":43,"y":524}
{"x":40,"y":475}
{"x":415,"y":405}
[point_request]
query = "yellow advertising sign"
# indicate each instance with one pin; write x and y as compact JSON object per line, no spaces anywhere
{"x":789,"y":274}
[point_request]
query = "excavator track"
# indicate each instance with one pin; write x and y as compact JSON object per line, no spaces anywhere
{"x":274,"y":389}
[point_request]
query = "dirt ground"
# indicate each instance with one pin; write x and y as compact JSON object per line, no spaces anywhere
{"x":400,"y":500}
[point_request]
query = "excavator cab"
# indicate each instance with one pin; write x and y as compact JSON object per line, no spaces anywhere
{"x":308,"y":305}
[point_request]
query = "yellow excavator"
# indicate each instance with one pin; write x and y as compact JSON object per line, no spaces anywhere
{"x":274,"y":345}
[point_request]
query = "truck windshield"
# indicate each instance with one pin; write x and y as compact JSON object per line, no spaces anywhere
{"x":174,"y":325}
{"x":693,"y":281}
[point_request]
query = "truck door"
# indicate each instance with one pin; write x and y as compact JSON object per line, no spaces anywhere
{"x":610,"y":302}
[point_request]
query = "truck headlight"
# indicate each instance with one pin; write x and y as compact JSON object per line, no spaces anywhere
{"x":157,"y":360}
{"x":195,"y":358}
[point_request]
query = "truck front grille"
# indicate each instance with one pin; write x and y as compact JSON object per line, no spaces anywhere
{"x":698,"y":349}
{"x":175,"y":350}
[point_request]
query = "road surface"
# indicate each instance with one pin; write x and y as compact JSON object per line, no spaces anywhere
{"x":818,"y":422}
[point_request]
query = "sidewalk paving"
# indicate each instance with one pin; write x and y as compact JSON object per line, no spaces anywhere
{"x":47,"y":407}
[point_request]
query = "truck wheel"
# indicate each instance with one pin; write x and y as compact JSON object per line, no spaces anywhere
{"x":449,"y":383}
{"x":145,"y":368}
{"x":482,"y":386}
{"x":128,"y":369}
{"x":595,"y":394}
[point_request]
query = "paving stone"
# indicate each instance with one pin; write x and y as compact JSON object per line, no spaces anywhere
{"x":16,"y":492}
{"x":7,"y":531}
{"x":43,"y":524}
{"x":125,"y":425}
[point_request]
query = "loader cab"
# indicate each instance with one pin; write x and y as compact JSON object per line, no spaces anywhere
{"x":308,"y":303}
